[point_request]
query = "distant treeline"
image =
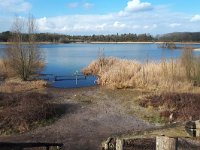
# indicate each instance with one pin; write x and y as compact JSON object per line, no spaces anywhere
{"x":180,"y":37}
{"x":61,"y":38}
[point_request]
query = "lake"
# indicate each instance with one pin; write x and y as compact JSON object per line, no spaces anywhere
{"x":68,"y":59}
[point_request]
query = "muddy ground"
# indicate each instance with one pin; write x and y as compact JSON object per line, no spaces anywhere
{"x":92,"y":115}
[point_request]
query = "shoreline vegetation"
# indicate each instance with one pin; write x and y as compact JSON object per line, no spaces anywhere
{"x":168,"y":75}
{"x":172,"y":86}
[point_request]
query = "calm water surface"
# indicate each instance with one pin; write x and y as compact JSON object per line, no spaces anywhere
{"x":66,"y":59}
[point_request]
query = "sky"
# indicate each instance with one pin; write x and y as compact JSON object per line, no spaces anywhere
{"x":88,"y":17}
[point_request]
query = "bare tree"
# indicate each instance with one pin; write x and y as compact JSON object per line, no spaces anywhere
{"x":25,"y":58}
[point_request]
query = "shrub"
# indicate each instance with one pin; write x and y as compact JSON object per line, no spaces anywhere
{"x":181,"y":106}
{"x":24,"y":59}
{"x":19,"y":111}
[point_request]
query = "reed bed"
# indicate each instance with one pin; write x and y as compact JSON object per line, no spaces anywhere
{"x":3,"y":68}
{"x":167,"y":75}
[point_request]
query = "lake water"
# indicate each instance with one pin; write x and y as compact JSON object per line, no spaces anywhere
{"x":67,"y":59}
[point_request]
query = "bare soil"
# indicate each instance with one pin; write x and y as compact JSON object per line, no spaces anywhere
{"x":92,"y":115}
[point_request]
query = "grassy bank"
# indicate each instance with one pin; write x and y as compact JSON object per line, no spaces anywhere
{"x":167,"y":75}
{"x":16,"y":85}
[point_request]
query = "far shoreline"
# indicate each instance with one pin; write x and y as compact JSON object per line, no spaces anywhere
{"x":99,"y":42}
{"x":188,"y":43}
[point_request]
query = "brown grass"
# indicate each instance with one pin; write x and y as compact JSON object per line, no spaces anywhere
{"x":121,"y":73}
{"x":9,"y":72}
{"x":5,"y":70}
{"x":17,"y":85}
{"x":181,"y":106}
{"x":18,"y":111}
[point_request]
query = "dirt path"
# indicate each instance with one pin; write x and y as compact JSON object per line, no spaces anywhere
{"x":91,"y":117}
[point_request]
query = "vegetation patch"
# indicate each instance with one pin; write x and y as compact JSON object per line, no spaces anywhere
{"x":174,"y":106}
{"x":168,"y":75}
{"x":19,"y":112}
{"x":121,"y":73}
{"x":17,"y":85}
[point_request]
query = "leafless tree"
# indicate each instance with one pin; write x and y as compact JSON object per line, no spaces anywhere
{"x":25,"y":58}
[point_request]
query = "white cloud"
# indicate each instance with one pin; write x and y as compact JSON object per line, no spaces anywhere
{"x":135,"y":27}
{"x":136,"y":6}
{"x":75,"y":23}
{"x":195,"y":18}
{"x":85,"y":5}
{"x":88,"y":5}
{"x":154,"y":26}
{"x":14,"y":6}
{"x":173,"y":25}
{"x":146,"y":27}
{"x":117,"y":24}
{"x":150,"y":27}
{"x":101,"y":26}
{"x":73,"y":5}
{"x":157,"y":21}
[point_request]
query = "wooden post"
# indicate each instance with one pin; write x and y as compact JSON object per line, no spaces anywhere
{"x":76,"y":74}
{"x":166,"y":143}
{"x":197,"y":123}
{"x":76,"y":79}
{"x":119,"y":144}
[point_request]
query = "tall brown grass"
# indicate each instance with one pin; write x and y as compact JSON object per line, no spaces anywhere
{"x":168,"y":75}
{"x":191,"y":64}
{"x":17,"y":85}
{"x":13,"y":83}
{"x":5,"y":70}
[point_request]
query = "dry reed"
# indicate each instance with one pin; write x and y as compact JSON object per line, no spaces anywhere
{"x":17,"y":85}
{"x":168,"y":75}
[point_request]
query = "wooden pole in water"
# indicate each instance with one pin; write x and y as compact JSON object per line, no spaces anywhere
{"x":76,"y":80}
{"x":76,"y":74}
{"x":166,"y":143}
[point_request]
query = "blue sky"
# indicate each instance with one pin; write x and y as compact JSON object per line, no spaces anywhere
{"x":87,"y":17}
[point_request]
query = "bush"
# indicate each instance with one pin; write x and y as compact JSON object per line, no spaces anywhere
{"x":181,"y":106}
{"x":19,"y":111}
